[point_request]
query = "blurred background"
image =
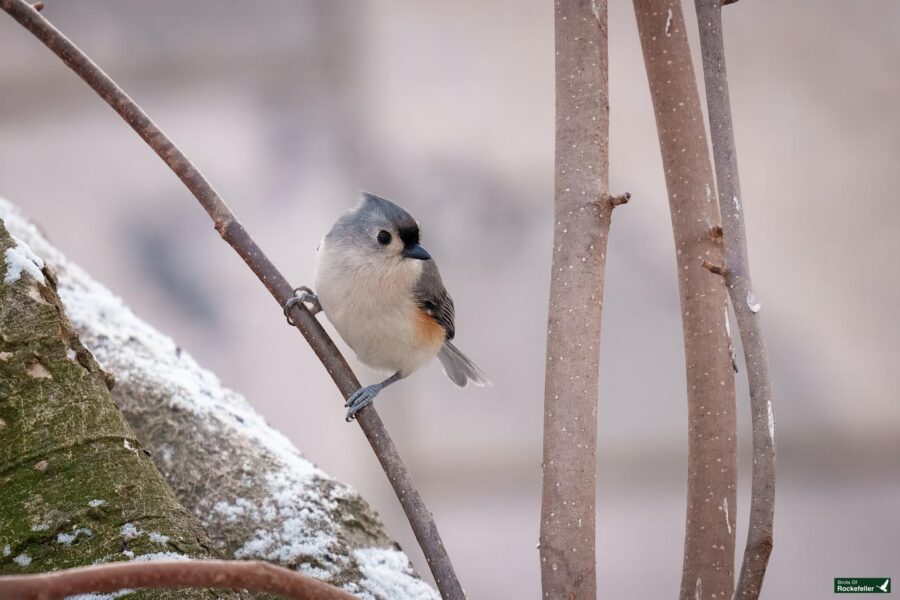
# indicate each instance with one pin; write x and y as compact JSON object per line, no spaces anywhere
{"x":290,"y":107}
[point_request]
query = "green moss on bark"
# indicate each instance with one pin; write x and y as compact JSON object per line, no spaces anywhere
{"x":76,"y":487}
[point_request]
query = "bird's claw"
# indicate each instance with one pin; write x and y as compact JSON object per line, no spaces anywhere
{"x":360,"y":399}
{"x":302,"y":295}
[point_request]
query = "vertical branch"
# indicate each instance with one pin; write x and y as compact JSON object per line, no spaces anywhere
{"x":746,"y":307}
{"x":708,"y":570}
{"x":582,"y":211}
{"x":239,"y":239}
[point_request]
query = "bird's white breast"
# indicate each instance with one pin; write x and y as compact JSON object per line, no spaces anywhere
{"x":370,"y":301}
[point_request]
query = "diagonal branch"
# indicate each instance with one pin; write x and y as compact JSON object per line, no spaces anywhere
{"x":746,"y":307}
{"x":237,"y":237}
{"x":251,"y":575}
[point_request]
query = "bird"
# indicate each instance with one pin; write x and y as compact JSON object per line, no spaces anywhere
{"x":384,"y":295}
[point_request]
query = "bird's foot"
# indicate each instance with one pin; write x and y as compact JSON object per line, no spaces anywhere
{"x":302,"y":295}
{"x":361,"y":398}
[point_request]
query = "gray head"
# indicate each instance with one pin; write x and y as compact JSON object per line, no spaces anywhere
{"x":379,"y":226}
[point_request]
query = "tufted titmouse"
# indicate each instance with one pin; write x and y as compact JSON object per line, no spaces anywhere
{"x":383,"y":293}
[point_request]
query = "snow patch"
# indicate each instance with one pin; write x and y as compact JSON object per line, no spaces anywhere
{"x":388,"y":574}
{"x":290,"y":527}
{"x":771,"y":418}
{"x":727,"y":519}
{"x":110,"y":596}
{"x":7,"y":550}
{"x":752,"y":303}
{"x":21,"y":259}
{"x":161,"y":556}
{"x":96,"y":502}
{"x":23,"y":560}
{"x":129,"y":531}
{"x":158,"y":538}
{"x":166,"y":454}
{"x":66,"y":539}
{"x":669,"y":23}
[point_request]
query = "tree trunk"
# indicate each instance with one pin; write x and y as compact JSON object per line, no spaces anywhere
{"x":77,"y":487}
{"x":582,"y":212}
{"x":708,"y":570}
{"x":255,"y":494}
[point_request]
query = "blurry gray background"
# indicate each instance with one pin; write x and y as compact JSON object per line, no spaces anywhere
{"x":447,"y":108}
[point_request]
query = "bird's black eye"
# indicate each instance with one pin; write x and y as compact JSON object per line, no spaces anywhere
{"x":384,"y":237}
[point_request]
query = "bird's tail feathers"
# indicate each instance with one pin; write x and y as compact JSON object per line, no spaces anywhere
{"x":459,"y":368}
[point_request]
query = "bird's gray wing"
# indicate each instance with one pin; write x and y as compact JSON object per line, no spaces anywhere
{"x":433,"y":298}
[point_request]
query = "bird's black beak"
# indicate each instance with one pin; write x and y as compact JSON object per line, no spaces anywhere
{"x":416,"y":251}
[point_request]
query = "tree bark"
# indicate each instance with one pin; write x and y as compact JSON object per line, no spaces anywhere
{"x":255,"y":494}
{"x":582,"y":211}
{"x":77,"y":487}
{"x":743,"y":300}
{"x":708,"y":570}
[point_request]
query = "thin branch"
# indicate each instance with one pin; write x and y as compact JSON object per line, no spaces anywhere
{"x":569,"y":493}
{"x":743,"y":300}
{"x":615,"y":201}
{"x":709,"y":539}
{"x":237,"y":237}
{"x":256,"y":576}
{"x":715,"y":269}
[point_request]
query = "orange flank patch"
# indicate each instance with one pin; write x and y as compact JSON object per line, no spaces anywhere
{"x":429,"y":331}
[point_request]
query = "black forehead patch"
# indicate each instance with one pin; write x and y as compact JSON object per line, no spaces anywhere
{"x":406,"y":226}
{"x":409,"y":235}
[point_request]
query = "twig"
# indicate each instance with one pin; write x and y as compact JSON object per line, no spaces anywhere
{"x":712,"y":420}
{"x":715,"y":269}
{"x":252,"y":575}
{"x":237,"y":237}
{"x":746,"y":307}
{"x":619,"y":200}
{"x":569,"y":493}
